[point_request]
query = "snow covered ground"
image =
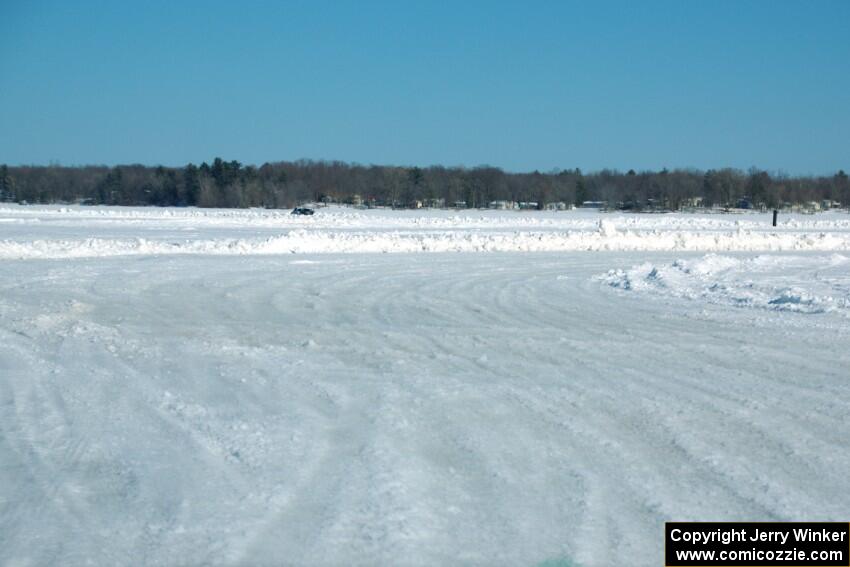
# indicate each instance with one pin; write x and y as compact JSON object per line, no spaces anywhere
{"x":77,"y":232}
{"x":177,"y":387}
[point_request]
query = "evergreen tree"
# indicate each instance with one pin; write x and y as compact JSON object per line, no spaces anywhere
{"x":7,"y":192}
{"x":166,"y":192}
{"x":191,"y":185}
{"x":110,"y":190}
{"x":581,"y":192}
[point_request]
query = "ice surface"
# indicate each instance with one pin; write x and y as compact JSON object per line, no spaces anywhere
{"x":333,"y":408}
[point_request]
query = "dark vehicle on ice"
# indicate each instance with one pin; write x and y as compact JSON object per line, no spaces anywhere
{"x":302,"y":211}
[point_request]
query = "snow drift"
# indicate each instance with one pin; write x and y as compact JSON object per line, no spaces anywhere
{"x":793,"y":283}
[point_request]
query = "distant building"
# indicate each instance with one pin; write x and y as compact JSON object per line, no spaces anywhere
{"x":503,"y":205}
{"x":459,"y":204}
{"x":657,"y":205}
{"x":558,"y":206}
{"x":594,"y":205}
{"x":524,"y":205}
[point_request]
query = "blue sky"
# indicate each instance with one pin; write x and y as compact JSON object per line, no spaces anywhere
{"x":519,"y":85}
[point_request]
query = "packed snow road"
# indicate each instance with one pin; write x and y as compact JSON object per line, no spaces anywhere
{"x":508,"y":408}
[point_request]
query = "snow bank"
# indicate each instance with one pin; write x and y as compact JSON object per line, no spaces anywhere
{"x":422,"y":219}
{"x":766,"y":282}
{"x":323,"y":241}
{"x":67,"y":232}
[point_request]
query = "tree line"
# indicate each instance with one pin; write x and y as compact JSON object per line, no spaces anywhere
{"x":286,"y":184}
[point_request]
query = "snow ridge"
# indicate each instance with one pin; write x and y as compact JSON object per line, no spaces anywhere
{"x":325,"y":241}
{"x":86,"y":232}
{"x":732,"y":281}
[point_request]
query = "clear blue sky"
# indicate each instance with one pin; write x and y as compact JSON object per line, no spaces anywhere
{"x":519,"y":85}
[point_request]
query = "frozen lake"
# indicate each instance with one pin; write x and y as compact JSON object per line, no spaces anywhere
{"x":246,"y":387}
{"x":76,"y":232}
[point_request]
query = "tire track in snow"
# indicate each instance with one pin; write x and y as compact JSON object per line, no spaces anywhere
{"x":416,"y":409}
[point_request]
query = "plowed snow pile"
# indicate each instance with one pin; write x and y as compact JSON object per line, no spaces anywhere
{"x":805,"y":284}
